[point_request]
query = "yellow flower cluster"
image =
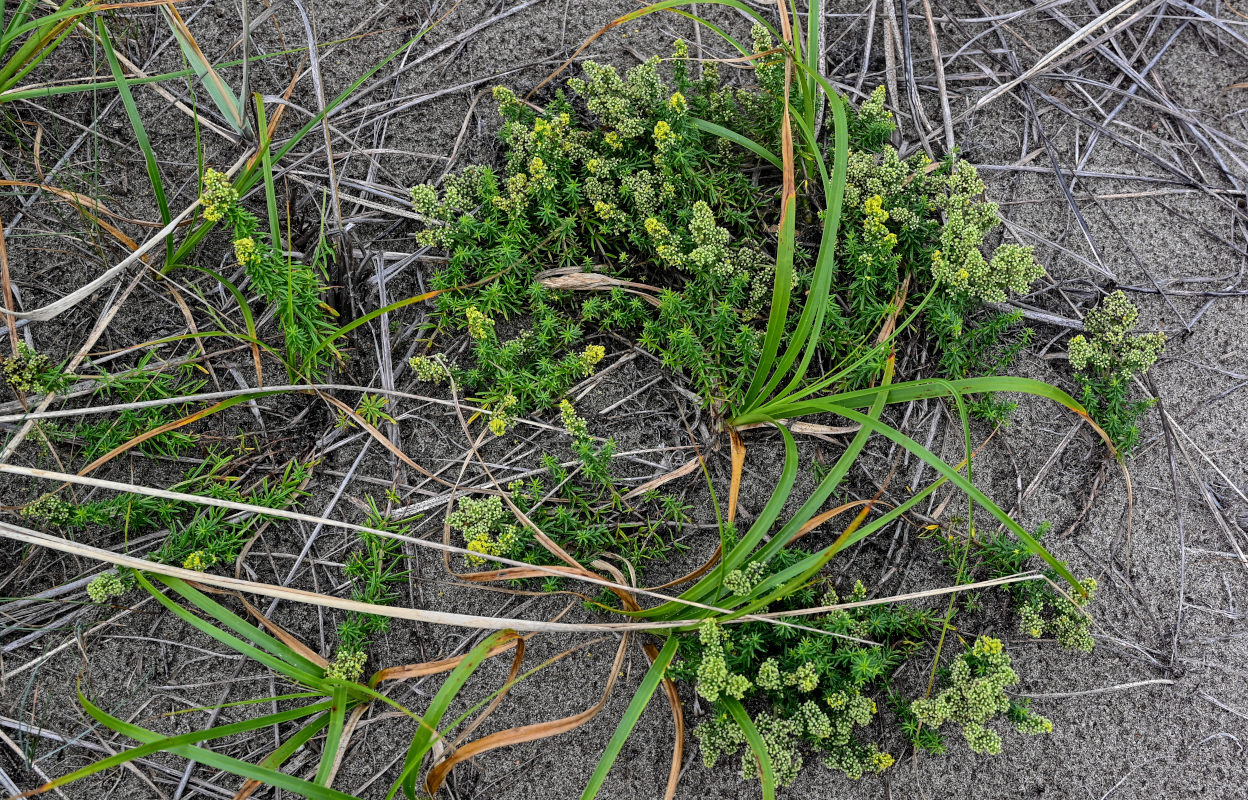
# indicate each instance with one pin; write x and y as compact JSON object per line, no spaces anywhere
{"x":481,"y":523}
{"x":199,"y":561}
{"x":499,"y":416}
{"x":218,"y":195}
{"x":479,"y":325}
{"x":590,"y":357}
{"x":245,"y":251}
{"x":348,"y":665}
{"x":663,"y":134}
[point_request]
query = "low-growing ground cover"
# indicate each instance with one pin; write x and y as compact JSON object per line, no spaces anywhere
{"x":766,"y":246}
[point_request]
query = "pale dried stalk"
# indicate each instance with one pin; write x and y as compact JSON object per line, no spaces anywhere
{"x":489,"y":623}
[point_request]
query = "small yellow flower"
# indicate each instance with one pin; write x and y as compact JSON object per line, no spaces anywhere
{"x":593,"y":354}
{"x":677,"y":103}
{"x":479,"y":325}
{"x":199,"y":561}
{"x":245,"y":251}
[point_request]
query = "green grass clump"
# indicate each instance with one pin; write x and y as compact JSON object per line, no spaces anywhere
{"x":645,"y":194}
{"x":643,"y":185}
{"x":1106,"y":359}
{"x":640,"y":180}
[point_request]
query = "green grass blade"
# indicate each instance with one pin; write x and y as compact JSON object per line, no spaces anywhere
{"x":168,"y":743}
{"x":266,"y":164}
{"x":924,"y":389}
{"x":651,"y":681}
{"x":427,"y":734}
{"x":735,"y":557}
{"x":939,"y":464}
{"x":239,"y":625}
{"x":756,"y":745}
{"x":224,"y":98}
{"x":140,"y":132}
{"x":830,"y":481}
{"x":46,"y":33}
{"x":814,"y":20}
{"x":807,"y":336}
{"x":785,"y":249}
{"x":43,"y":48}
{"x":19,"y":93}
{"x":278,"y":665}
{"x":295,"y":741}
{"x":67,"y":12}
{"x":248,"y":318}
{"x":333,"y":737}
{"x":784,"y":583}
{"x":732,"y":136}
{"x":217,"y":761}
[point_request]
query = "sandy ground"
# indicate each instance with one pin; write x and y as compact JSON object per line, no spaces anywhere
{"x":1160,"y":709}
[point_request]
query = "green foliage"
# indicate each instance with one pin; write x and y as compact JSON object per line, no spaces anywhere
{"x":975,"y":694}
{"x":133,"y":513}
{"x":29,"y":372}
{"x":373,"y":409}
{"x":649,"y":194}
{"x":1041,"y":609}
{"x":572,"y":513}
{"x":645,"y":191}
{"x":595,"y":458}
{"x":374,"y":570}
{"x":641,"y":180}
{"x":294,"y":289}
{"x":1106,"y":359}
{"x":815,"y":689}
{"x":106,"y":586}
{"x":216,"y":535}
{"x":134,"y":386}
{"x":521,"y":374}
{"x":29,"y":39}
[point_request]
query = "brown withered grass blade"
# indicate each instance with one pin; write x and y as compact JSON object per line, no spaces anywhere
{"x":380,"y":437}
{"x":516,"y":662}
{"x":684,"y":469}
{"x":408,"y":671}
{"x":279,"y":633}
{"x":738,"y":464}
{"x":528,"y":733}
{"x":6,"y":284}
{"x":678,"y":720}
